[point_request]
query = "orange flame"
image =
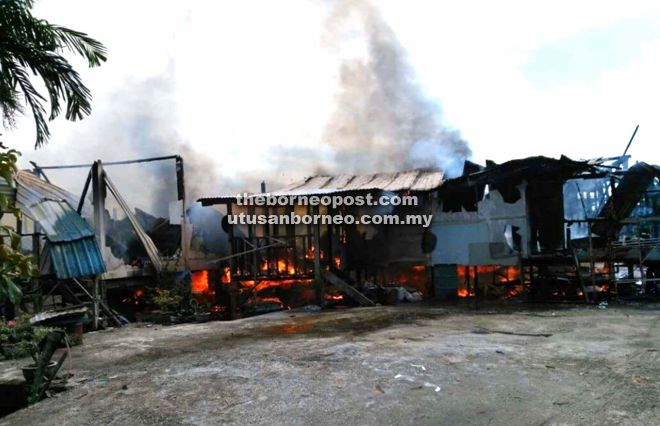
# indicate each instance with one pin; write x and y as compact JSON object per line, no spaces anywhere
{"x":270,"y":300}
{"x":134,"y":299}
{"x":249,"y":284}
{"x":200,"y":282}
{"x":334,"y":297}
{"x":226,"y":276}
{"x":337,"y":260}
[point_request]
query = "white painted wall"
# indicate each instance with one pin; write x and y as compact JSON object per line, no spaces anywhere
{"x":478,"y":238}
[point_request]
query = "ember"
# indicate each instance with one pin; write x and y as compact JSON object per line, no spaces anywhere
{"x":269,"y":300}
{"x":500,"y":280}
{"x":135,"y":298}
{"x":262,"y":285}
{"x":462,"y":292}
{"x":334,"y":297}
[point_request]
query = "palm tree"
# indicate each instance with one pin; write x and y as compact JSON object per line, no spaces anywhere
{"x":32,"y":46}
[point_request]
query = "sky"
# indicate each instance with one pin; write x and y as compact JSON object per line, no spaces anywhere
{"x":236,"y":82}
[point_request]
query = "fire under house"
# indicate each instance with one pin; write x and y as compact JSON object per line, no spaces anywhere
{"x":328,"y":261}
{"x":540,"y":229}
{"x":535,"y":229}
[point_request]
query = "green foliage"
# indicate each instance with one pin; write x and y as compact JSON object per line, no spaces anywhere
{"x":19,"y":338}
{"x":167,"y":301}
{"x":14,"y":266}
{"x":203,"y":308}
{"x":32,"y":46}
{"x":169,"y":281}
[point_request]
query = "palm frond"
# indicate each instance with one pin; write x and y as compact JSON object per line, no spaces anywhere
{"x":33,"y":99}
{"x":93,"y":50}
{"x":31,"y":45}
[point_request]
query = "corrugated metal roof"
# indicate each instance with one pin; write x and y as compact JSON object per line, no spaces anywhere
{"x":415,"y":180}
{"x":71,"y":242}
{"x":30,"y":189}
{"x":81,"y":258}
{"x":73,"y":250}
{"x":46,"y":315}
{"x":59,"y":221}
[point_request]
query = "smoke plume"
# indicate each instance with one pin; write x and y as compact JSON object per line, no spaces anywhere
{"x":383,"y":120}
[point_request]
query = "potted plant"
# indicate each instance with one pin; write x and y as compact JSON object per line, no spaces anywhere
{"x":168,"y":303}
{"x":14,"y":337}
{"x":32,"y":347}
{"x":187,"y":315}
{"x":202,"y":312}
{"x":30,"y":370}
{"x":19,"y":338}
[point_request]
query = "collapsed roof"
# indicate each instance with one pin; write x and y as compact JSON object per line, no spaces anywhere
{"x":523,"y":168}
{"x":72,"y":247}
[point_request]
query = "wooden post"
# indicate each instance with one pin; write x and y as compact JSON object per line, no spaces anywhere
{"x":98,"y":195}
{"x":233,"y":293}
{"x":641,"y":258}
{"x":591,"y":262}
{"x":579,"y":276}
{"x":36,"y":259}
{"x":252,"y":234}
{"x":290,"y":231}
{"x":610,"y":249}
{"x":477,"y":290}
{"x":318,"y":280}
{"x":330,"y":257}
{"x":181,"y":196}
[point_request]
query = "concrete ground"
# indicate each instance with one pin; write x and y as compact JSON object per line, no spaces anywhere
{"x":371,"y":366}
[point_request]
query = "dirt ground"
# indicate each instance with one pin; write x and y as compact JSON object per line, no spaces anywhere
{"x":423,"y":364}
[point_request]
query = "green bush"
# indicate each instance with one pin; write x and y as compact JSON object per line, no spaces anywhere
{"x":167,"y":300}
{"x":19,"y":338}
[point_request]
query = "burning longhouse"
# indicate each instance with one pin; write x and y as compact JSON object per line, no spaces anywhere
{"x":535,"y":229}
{"x":539,"y":229}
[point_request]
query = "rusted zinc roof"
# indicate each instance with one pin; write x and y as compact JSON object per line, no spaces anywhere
{"x":415,"y":181}
{"x":72,"y":245}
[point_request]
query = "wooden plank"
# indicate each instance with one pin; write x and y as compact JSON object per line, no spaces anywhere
{"x":317,"y":260}
{"x":348,"y":289}
{"x":579,"y":276}
{"x":47,"y":348}
{"x":50,"y":379}
{"x":233,"y":286}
